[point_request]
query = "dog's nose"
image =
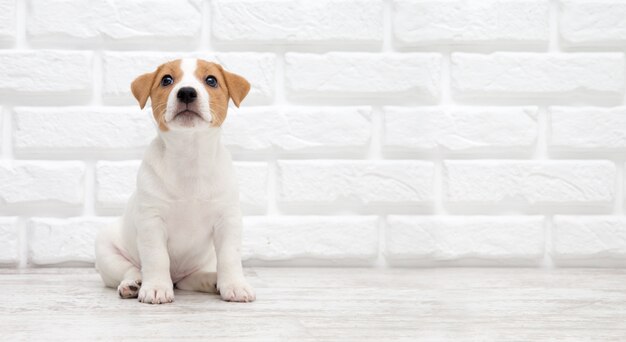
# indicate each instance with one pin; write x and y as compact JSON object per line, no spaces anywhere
{"x":187,"y":94}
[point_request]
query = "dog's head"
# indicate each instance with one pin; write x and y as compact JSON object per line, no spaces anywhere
{"x":189,"y":94}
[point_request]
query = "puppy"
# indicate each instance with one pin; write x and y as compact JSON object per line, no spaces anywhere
{"x":182,"y":225}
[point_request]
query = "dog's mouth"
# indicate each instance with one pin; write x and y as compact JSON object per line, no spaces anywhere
{"x":187,"y":114}
{"x":187,"y":118}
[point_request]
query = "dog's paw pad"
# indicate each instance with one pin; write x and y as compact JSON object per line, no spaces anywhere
{"x":129,"y":288}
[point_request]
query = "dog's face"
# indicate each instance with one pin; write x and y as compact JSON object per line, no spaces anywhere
{"x":189,"y":94}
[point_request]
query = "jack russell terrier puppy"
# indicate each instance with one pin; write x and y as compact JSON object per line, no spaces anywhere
{"x":182,"y":226}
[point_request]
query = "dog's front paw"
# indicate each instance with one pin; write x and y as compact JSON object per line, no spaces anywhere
{"x":129,"y":288}
{"x":236,"y":291}
{"x":156,"y":293}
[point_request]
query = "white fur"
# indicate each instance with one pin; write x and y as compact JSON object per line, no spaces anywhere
{"x":188,"y":66}
{"x":183,"y":223}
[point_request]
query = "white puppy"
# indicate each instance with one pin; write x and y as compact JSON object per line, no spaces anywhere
{"x":182,"y":225}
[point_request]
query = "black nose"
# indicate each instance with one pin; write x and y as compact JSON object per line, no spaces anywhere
{"x":187,"y":94}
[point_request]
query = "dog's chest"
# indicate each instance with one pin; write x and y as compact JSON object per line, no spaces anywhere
{"x":190,"y":226}
{"x":188,"y":181}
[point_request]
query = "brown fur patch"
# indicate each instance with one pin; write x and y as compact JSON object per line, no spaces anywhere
{"x":149,"y":85}
{"x":229,"y":86}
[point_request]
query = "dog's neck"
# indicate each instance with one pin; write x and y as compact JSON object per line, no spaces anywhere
{"x":193,"y":150}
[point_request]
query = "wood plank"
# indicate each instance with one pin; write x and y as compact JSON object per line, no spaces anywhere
{"x":329,"y":304}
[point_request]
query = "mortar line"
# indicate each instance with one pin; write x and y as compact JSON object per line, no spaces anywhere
{"x":554,"y":45}
{"x":23,"y":242}
{"x":438,"y":191}
{"x":205,"y":42}
{"x":388,"y":41}
{"x":446,"y":81}
{"x":381,"y":225}
{"x":543,"y":128}
{"x":376,"y":130}
{"x":547,"y":262}
{"x":21,"y":42}
{"x":618,"y":208}
{"x":272,"y":182}
{"x":280,"y":96}
{"x":89,"y":188}
{"x":7,"y":133}
{"x":98,"y":78}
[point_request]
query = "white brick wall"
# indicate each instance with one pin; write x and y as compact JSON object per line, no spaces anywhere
{"x":46,"y":72}
{"x":299,"y":21}
{"x":10,"y":237}
{"x":493,"y":240}
{"x":59,"y":130}
{"x":542,"y":75}
{"x":377,"y":132}
{"x":341,"y":75}
{"x":593,"y":22}
{"x":8,"y":21}
{"x":113,"y":20}
{"x":438,"y":22}
{"x":534,"y":183}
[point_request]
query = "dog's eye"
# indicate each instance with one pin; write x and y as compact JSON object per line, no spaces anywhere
{"x":167,"y":80}
{"x":211,"y":81}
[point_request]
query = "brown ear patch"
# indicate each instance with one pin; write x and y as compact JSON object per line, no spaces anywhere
{"x":229,"y":86}
{"x":238,"y":87}
{"x":141,"y":88}
{"x":149,"y":86}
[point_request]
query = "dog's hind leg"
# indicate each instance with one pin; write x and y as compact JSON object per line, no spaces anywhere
{"x":201,"y":281}
{"x":204,"y":279}
{"x":116,"y":270}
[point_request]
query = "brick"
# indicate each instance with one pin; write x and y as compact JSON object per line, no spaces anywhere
{"x":460,"y":128}
{"x":586,"y":23}
{"x":252,"y":177}
{"x":61,"y":129}
{"x":258,"y":68}
{"x":502,"y":240}
{"x":471,"y":22}
{"x":9,"y":241}
{"x":542,"y":75}
{"x":116,"y":181}
{"x":114,"y":20}
{"x":589,"y":238}
{"x":8,"y":20}
{"x":587,"y":128}
{"x":339,"y":74}
{"x":497,"y":182}
{"x":300,"y":21}
{"x":317,"y":240}
{"x":57,"y":241}
{"x":47,"y":182}
{"x":49,"y":71}
{"x":121,"y":68}
{"x":362,"y":182}
{"x":298,"y":128}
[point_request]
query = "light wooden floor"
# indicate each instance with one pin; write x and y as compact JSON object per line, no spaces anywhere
{"x":328,"y":305}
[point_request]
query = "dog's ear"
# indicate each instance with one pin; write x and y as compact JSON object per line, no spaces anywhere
{"x":238,"y":87}
{"x":141,"y":88}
